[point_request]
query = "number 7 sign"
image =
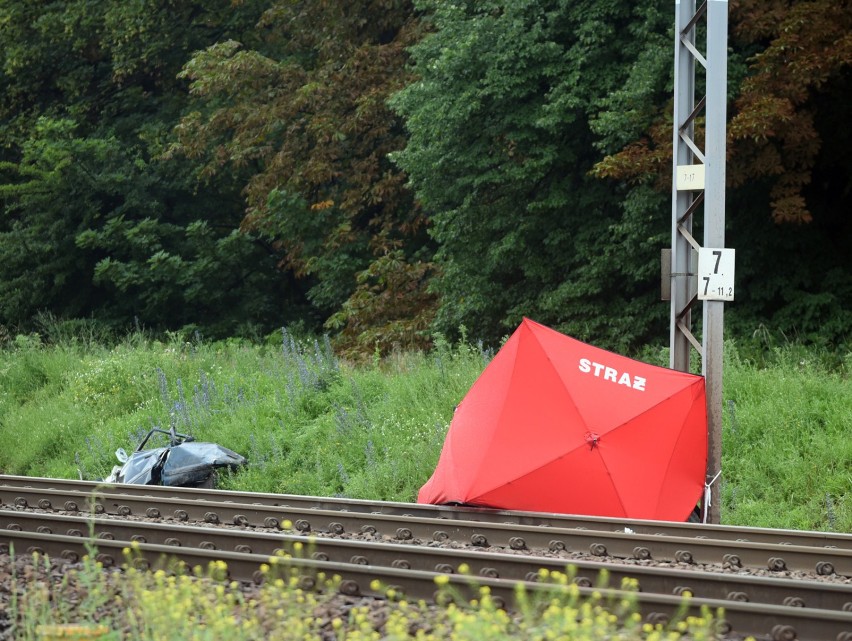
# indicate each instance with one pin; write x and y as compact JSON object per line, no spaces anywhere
{"x":715,"y":274}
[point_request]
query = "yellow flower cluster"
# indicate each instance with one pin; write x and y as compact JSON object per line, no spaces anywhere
{"x":175,"y":603}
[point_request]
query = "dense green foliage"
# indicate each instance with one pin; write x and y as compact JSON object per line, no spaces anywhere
{"x":788,"y":68}
{"x":94,"y":222}
{"x":388,"y":168}
{"x":311,"y":424}
{"x":307,"y":108}
{"x":500,"y":151}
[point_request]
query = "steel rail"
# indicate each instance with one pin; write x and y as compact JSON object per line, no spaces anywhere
{"x":813,"y":594}
{"x":784,"y":623}
{"x":465,"y":513}
{"x":660,"y":547}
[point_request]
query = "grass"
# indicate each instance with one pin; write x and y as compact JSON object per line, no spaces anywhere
{"x":308,"y":423}
{"x":787,"y":451}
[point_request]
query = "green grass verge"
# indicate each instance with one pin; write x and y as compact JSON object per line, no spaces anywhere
{"x":310,"y":424}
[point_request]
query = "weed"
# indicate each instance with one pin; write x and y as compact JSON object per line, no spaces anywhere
{"x":175,"y":602}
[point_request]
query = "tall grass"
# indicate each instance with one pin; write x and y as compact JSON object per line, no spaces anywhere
{"x":309,"y":423}
{"x":787,"y":441}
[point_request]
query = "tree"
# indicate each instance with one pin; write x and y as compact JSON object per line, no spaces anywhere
{"x":306,"y":111}
{"x":499,"y":153}
{"x":788,"y":172}
{"x":49,"y":197}
{"x":808,"y":55}
{"x":95,"y":223}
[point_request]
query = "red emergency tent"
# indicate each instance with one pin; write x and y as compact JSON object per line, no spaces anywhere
{"x":556,"y":425}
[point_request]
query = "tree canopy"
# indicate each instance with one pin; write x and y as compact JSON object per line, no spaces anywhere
{"x":788,"y":173}
{"x":306,"y":109}
{"x":95,"y":222}
{"x":500,"y":149}
{"x":386,"y":169}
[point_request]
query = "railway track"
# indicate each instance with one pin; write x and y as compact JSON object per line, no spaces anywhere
{"x":785,"y":537}
{"x":783,"y":585}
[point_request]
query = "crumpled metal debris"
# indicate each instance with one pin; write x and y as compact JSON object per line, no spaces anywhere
{"x":185,"y":462}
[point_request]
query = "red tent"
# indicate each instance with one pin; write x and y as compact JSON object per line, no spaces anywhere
{"x":556,"y":425}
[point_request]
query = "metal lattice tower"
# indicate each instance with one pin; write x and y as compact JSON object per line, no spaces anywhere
{"x":699,"y":183}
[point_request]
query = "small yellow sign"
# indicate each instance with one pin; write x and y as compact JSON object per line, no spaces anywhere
{"x":70,"y":632}
{"x":690,"y":177}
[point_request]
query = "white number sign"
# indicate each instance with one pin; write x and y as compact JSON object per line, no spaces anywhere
{"x":715,"y":274}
